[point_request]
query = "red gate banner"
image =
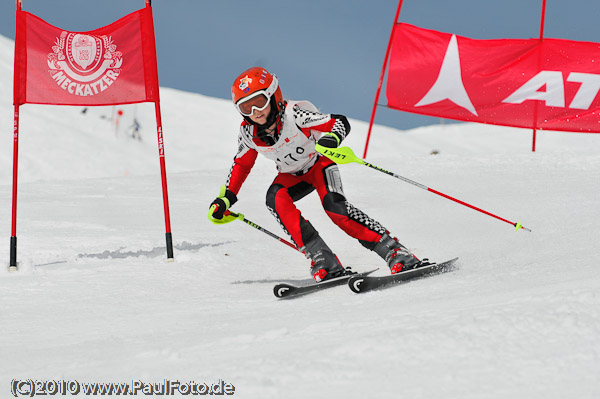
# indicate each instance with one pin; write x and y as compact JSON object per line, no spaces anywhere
{"x":112,"y":65}
{"x":115,"y":64}
{"x":549,"y":84}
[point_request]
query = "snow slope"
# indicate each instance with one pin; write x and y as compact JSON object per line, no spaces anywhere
{"x":94,"y":299}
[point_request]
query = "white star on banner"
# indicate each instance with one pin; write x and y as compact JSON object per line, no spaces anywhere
{"x":449,"y":84}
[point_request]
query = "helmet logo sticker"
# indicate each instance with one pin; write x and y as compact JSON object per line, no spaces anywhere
{"x":245,"y":83}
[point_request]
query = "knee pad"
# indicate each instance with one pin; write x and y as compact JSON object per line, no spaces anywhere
{"x":335,"y":203}
{"x":271,"y":193}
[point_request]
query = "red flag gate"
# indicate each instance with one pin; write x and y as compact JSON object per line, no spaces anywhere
{"x":115,"y":64}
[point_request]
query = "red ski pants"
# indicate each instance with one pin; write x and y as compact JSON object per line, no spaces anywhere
{"x":324,"y":177}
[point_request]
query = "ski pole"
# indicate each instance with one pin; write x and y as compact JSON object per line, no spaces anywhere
{"x":344,"y":155}
{"x":239,"y":216}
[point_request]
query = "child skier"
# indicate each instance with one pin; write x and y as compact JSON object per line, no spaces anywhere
{"x":286,"y":132}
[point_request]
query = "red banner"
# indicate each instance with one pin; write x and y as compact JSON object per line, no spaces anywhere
{"x":115,"y":64}
{"x":551,"y":84}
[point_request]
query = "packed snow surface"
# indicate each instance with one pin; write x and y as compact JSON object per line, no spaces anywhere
{"x":94,"y":299}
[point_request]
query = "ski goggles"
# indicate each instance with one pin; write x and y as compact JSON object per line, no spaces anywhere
{"x":258,"y":100}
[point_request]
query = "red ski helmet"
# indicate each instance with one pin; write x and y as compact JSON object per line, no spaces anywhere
{"x":255,"y":88}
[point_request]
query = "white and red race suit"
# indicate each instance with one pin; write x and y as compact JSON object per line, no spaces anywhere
{"x":302,"y":170}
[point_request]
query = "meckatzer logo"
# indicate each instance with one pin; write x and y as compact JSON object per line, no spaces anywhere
{"x":84,"y":65}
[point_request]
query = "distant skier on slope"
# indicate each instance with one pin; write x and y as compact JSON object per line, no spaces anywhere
{"x":286,"y":132}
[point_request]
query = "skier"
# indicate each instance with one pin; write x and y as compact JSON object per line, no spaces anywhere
{"x":135,"y":129}
{"x":286,"y":131}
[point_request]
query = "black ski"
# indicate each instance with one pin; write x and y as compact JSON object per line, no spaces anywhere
{"x":358,"y":283}
{"x":284,"y":290}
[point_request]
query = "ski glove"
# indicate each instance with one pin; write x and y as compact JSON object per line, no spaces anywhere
{"x":218,"y":207}
{"x":329,"y":140}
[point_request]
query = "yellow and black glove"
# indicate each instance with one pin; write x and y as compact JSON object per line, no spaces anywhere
{"x":221,"y":204}
{"x":329,"y":140}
